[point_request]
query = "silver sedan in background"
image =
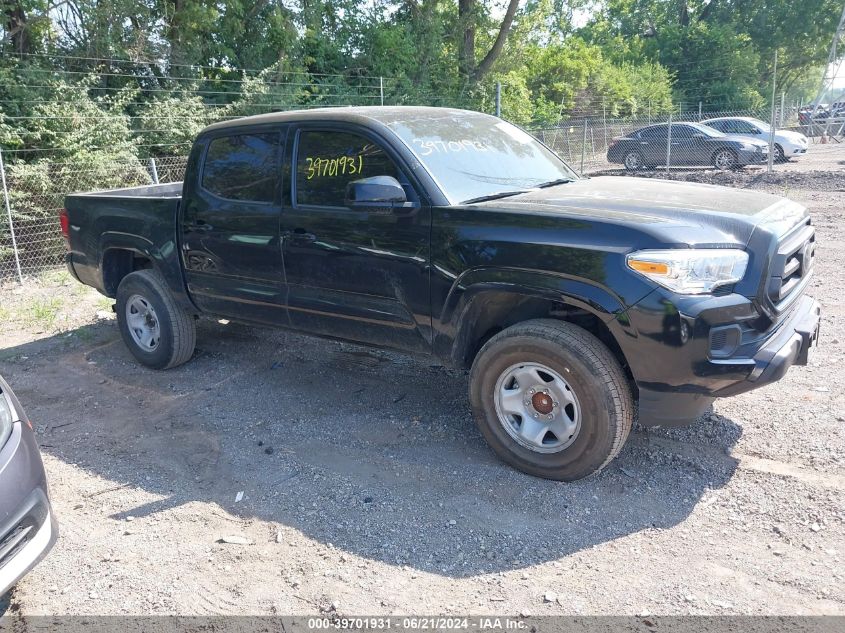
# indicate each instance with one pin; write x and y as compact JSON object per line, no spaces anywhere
{"x":788,"y":144}
{"x":28,"y":526}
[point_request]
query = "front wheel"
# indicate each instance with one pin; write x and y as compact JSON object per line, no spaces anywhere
{"x":725,"y":159}
{"x":156,"y":330}
{"x":551,"y":400}
{"x":780,"y":155}
{"x":633,"y":161}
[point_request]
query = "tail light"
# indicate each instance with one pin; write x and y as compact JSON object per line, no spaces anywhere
{"x":65,"y":224}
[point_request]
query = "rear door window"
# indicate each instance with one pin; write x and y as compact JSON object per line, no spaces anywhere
{"x":653,"y":133}
{"x":243,"y":167}
{"x":682,"y":132}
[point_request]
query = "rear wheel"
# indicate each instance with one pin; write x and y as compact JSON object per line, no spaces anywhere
{"x":725,"y":159}
{"x":633,"y":161}
{"x":156,"y":330}
{"x":551,"y":400}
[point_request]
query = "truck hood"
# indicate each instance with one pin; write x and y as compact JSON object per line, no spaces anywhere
{"x":677,"y":213}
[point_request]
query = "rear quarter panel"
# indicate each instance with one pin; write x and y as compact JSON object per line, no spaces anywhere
{"x":143,"y":224}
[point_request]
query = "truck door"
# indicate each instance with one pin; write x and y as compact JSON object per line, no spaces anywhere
{"x":230,"y":227}
{"x":360,"y":274}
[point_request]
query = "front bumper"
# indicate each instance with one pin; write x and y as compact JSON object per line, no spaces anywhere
{"x":752,"y":157}
{"x":28,"y":528}
{"x":789,"y":346}
{"x":678,"y":372}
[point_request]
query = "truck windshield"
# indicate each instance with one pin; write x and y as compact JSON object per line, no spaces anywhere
{"x":475,"y":156}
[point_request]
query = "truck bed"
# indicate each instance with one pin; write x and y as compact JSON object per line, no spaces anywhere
{"x":108,"y":228}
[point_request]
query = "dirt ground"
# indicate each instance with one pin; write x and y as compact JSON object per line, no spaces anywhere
{"x":366,"y":488}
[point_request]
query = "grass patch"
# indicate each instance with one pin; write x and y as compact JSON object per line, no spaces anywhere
{"x":55,"y":277}
{"x":44,"y":311}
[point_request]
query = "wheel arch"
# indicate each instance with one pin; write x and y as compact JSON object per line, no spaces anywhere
{"x":121,"y":254}
{"x":488,"y":306}
{"x":723,"y":148}
{"x":117,"y":262}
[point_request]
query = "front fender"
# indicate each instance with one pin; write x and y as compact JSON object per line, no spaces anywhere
{"x":479,"y":293}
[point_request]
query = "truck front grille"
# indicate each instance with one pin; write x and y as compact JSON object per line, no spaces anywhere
{"x":792,"y":263}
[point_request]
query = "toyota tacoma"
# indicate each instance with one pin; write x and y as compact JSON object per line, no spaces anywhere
{"x":576,"y":303}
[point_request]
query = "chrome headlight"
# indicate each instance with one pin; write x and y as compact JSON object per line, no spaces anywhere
{"x":693,"y":271}
{"x":6,"y":419}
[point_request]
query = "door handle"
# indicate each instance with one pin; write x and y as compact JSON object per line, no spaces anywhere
{"x":201,"y":225}
{"x":301,"y":235}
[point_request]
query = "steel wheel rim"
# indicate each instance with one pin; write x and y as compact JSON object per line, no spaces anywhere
{"x":724,"y":160}
{"x":537,"y":408}
{"x":632,"y":161}
{"x":142,"y":323}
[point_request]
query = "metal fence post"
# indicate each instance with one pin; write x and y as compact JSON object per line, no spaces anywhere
{"x":11,"y":223}
{"x":153,"y":170}
{"x":604,"y":122}
{"x":700,"y":108}
{"x":584,"y":146}
{"x":381,"y":89}
{"x":669,"y":144}
{"x":772,"y":119}
{"x":498,"y":99}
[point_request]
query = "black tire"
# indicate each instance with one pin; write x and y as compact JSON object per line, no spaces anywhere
{"x":595,"y":376}
{"x":633,"y":161}
{"x":178,"y":332}
{"x":734,"y":160}
{"x":780,"y":156}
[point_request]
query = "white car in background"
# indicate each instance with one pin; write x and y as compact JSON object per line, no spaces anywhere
{"x":787,"y":143}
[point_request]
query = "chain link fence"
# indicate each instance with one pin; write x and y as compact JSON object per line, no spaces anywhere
{"x":594,"y":143}
{"x":31,"y":242}
{"x":30,"y":236}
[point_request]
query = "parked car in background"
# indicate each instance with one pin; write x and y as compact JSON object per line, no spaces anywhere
{"x":788,"y":144}
{"x":690,"y":145}
{"x":28,"y":526}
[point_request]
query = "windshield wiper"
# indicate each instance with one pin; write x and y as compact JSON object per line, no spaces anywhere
{"x":552,"y":183}
{"x":495,"y":196}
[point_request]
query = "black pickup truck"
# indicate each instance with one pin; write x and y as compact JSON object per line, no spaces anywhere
{"x":456,"y":235}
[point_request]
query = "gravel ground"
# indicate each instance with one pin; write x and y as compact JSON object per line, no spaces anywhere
{"x":354,"y":481}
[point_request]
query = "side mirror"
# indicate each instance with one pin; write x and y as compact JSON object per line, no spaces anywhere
{"x":382,"y":192}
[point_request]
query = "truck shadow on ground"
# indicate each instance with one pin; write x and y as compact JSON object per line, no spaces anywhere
{"x":370,"y":451}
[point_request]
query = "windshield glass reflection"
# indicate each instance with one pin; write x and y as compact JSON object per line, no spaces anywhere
{"x":474,"y":155}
